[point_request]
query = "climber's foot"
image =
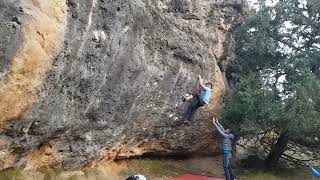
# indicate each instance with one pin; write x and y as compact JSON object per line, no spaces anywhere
{"x":186,"y":122}
{"x":186,"y":97}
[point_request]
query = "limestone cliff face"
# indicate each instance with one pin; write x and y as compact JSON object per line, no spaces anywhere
{"x":82,"y":81}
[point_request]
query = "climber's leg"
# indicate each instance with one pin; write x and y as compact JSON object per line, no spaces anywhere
{"x":196,"y":104}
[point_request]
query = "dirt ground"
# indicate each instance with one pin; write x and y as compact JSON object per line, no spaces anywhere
{"x":160,"y":169}
{"x":153,"y":169}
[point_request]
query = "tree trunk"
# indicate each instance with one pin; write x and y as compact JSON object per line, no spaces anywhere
{"x":276,"y":152}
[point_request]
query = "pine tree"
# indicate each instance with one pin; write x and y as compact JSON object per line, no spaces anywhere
{"x":278,"y":77}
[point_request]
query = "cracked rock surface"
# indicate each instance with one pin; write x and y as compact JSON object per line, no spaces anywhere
{"x":87,"y":80}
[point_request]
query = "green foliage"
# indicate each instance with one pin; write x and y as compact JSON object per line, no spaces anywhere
{"x":278,"y":73}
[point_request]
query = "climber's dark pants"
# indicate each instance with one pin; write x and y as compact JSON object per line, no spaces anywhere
{"x":194,"y":105}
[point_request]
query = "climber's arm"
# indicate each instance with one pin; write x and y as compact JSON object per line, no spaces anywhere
{"x":201,"y":82}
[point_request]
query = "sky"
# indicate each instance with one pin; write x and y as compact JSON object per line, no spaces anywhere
{"x":269,"y":3}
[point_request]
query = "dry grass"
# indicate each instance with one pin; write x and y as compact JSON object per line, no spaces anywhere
{"x":52,"y":175}
{"x":154,"y":169}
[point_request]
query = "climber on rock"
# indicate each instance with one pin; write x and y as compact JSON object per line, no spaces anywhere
{"x":198,"y":99}
{"x":228,"y":137}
